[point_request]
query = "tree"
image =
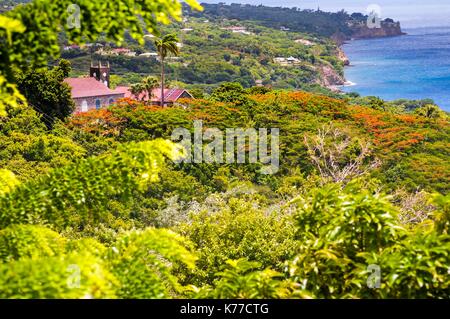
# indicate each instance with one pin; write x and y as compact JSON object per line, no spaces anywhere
{"x":29,"y":33}
{"x":337,"y":157}
{"x":148,"y":84}
{"x":377,"y":103}
{"x":166,"y":45}
{"x":7,"y":181}
{"x":348,"y":232}
{"x":145,"y":86}
{"x":65,"y":66}
{"x":115,"y":80}
{"x":430,"y":111}
{"x":229,"y":92}
{"x":47,"y":93}
{"x":136,"y":89}
{"x":87,"y":186}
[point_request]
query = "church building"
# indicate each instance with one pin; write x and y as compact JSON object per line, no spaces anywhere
{"x":93,"y":92}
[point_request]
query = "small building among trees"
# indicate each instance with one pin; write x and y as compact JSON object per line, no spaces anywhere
{"x":93,"y":92}
{"x":171,"y":96}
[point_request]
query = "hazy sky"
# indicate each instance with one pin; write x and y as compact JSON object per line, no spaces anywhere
{"x":412,"y":13}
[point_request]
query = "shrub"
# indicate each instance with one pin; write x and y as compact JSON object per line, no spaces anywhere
{"x":76,"y":275}
{"x":236,"y":229}
{"x":86,"y":186}
{"x":29,"y":241}
{"x":143,"y":261}
{"x":240,"y":279}
{"x":352,"y":246}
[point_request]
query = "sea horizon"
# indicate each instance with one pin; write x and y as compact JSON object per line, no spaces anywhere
{"x":412,"y":66}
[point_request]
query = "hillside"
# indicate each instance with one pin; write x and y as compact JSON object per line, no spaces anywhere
{"x":231,"y":217}
{"x":246,"y":44}
{"x":341,"y":25}
{"x":242,"y":193}
{"x":213,"y":53}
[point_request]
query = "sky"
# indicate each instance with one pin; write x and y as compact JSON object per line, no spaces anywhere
{"x":411,"y":13}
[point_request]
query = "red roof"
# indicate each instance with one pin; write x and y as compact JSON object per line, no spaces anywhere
{"x":87,"y":87}
{"x":121,"y":50}
{"x":170,"y":95}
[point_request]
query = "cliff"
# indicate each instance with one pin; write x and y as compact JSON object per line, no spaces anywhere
{"x":329,"y":77}
{"x":387,"y":29}
{"x":340,"y":54}
{"x":359,"y":30}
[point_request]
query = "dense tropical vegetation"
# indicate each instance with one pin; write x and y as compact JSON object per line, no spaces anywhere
{"x":96,"y":205}
{"x":211,"y":54}
{"x":301,"y":20}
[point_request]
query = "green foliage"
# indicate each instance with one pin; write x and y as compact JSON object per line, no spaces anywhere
{"x":320,"y":244}
{"x":28,"y":149}
{"x":346,"y":232}
{"x":29,"y":241}
{"x":46,"y":92}
{"x":144,"y":88}
{"x":143,"y":261}
{"x":7,"y":181}
{"x":430,"y":111}
{"x":240,"y":280}
{"x":93,"y":181}
{"x":75,"y":275}
{"x":115,"y":80}
{"x":10,"y":96}
{"x":229,"y":92}
{"x":442,"y":214}
{"x":32,"y":37}
{"x":210,"y":56}
{"x":238,"y":228}
{"x":319,"y":22}
{"x":416,"y":267}
{"x":86,"y":186}
{"x":149,"y":83}
{"x":167,"y":45}
{"x":377,"y":103}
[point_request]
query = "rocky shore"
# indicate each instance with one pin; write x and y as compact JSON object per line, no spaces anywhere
{"x":360,"y":30}
{"x":389,"y":28}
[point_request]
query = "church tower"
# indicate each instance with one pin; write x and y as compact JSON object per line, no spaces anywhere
{"x":100,"y":72}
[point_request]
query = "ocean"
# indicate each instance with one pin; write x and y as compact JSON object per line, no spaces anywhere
{"x":414,"y":66}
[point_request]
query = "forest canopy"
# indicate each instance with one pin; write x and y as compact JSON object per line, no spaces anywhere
{"x":98,"y":205}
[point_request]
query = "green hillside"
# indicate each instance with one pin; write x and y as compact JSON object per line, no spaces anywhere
{"x":348,"y":197}
{"x":211,"y":55}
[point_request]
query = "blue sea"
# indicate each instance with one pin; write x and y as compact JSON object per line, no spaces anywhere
{"x":414,"y":66}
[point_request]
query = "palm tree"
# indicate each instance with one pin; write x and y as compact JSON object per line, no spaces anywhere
{"x":136,"y":89}
{"x":430,"y":111}
{"x":165,"y":46}
{"x":148,"y":84}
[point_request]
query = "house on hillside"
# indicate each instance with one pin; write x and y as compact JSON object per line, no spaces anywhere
{"x":287,"y":61}
{"x":116,"y":51}
{"x":171,"y":96}
{"x":71,"y":47}
{"x":304,"y":42}
{"x":235,"y":29}
{"x":152,"y":55}
{"x":93,"y":92}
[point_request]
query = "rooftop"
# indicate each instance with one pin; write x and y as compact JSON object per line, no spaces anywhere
{"x":87,"y":87}
{"x":170,"y":95}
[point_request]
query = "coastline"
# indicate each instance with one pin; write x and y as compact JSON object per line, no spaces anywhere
{"x":342,"y":55}
{"x":413,"y":67}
